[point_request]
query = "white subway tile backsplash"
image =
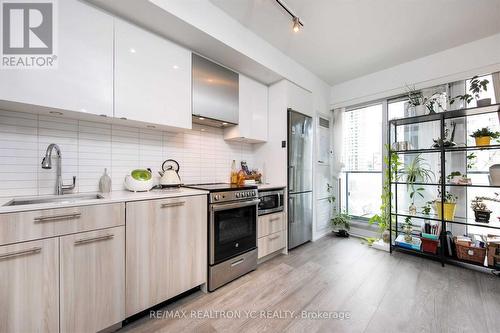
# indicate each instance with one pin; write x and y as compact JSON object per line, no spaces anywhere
{"x":90,"y":147}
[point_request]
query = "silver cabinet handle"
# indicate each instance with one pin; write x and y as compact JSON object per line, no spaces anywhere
{"x":20,"y":253}
{"x":57,"y":217}
{"x":274,"y":219}
{"x":237,"y":262}
{"x":274,"y":237}
{"x":93,"y":239}
{"x":173,"y":204}
{"x":292,"y":210}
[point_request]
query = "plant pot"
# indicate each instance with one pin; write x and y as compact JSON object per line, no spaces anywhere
{"x":449,"y":210}
{"x":483,"y":141}
{"x":386,"y":236}
{"x":341,"y":233}
{"x":494,"y":175}
{"x":483,"y":102}
{"x":412,"y":209}
{"x":482,"y":216}
{"x":419,"y":110}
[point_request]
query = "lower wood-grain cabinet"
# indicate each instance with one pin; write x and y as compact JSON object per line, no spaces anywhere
{"x":92,"y":286}
{"x":29,"y":287}
{"x":166,"y":249}
{"x":271,"y":233}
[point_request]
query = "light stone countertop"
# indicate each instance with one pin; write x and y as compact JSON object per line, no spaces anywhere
{"x":113,"y":197}
{"x":263,"y":187}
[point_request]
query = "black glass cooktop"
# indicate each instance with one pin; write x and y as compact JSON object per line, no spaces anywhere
{"x":221,"y":187}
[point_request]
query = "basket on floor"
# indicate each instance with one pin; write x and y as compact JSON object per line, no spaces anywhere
{"x":471,"y":253}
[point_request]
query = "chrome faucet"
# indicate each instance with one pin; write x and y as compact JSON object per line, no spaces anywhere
{"x":47,"y":164}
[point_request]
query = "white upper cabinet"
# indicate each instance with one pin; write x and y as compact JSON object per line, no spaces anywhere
{"x":83,"y":78}
{"x":253,"y":113}
{"x":152,"y":78}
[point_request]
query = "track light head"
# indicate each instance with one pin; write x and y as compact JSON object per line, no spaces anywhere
{"x":296,"y":24}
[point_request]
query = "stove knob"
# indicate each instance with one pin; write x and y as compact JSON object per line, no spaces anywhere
{"x":249,"y":194}
{"x":216,"y":197}
{"x":238,"y":194}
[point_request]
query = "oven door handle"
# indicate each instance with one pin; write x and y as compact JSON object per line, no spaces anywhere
{"x":224,"y":206}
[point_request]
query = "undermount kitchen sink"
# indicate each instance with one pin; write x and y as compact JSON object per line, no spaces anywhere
{"x":69,"y":198}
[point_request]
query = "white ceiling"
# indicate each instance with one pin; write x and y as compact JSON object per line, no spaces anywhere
{"x":345,"y":39}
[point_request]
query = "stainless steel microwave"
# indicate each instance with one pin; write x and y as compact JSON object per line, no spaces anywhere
{"x":271,"y":201}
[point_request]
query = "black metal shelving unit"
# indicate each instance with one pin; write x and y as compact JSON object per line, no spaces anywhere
{"x":395,"y":214}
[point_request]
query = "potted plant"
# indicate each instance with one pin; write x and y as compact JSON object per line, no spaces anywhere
{"x":341,"y":223}
{"x":450,"y":203}
{"x":481,"y":211}
{"x":457,"y":178}
{"x":415,"y":100}
{"x":476,"y":87}
{"x":417,"y":171}
{"x":382,"y":219}
{"x":434,"y":100}
{"x":408,"y":229}
{"x":426,"y":210}
{"x":483,"y":136}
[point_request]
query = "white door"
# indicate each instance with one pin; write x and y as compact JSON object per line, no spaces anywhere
{"x":83,"y":78}
{"x":152,"y":78}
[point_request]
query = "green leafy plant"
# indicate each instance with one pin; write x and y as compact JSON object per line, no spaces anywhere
{"x":415,"y":97}
{"x":340,"y":220}
{"x":433,"y":101}
{"x":369,"y":240}
{"x":453,"y":174}
{"x":418,"y":170}
{"x":392,"y":165}
{"x":471,"y":160}
{"x":466,"y":98}
{"x":485,"y":131}
{"x":448,"y":197}
{"x":476,"y":87}
{"x":426,"y":209}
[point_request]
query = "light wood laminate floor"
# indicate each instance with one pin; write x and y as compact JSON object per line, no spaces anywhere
{"x":381,"y":293}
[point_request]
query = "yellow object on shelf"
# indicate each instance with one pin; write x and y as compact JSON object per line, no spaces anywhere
{"x":449,"y":210}
{"x":483,"y":141}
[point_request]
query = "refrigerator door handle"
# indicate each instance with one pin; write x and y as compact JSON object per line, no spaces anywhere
{"x":292,"y":210}
{"x":292,"y":178}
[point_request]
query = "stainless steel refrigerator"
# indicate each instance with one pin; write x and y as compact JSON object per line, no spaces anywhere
{"x":300,"y":178}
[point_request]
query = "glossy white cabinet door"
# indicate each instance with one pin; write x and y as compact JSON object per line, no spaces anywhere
{"x":83,"y":79}
{"x":152,"y":78}
{"x":253,"y":113}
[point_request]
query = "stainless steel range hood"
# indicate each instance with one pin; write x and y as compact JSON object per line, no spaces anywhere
{"x":215,"y":93}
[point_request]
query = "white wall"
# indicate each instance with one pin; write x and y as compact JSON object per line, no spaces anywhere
{"x":89,"y":147}
{"x":478,"y":57}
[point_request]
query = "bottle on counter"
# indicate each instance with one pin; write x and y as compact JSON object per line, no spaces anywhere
{"x":105,"y":182}
{"x":241,"y":178}
{"x":234,"y":173}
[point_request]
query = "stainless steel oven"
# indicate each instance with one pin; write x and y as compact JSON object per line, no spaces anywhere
{"x":271,"y":201}
{"x":232,"y":235}
{"x":233,"y":229}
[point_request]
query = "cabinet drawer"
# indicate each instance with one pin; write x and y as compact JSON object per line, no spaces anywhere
{"x":271,"y":243}
{"x":271,"y":223}
{"x":19,"y":227}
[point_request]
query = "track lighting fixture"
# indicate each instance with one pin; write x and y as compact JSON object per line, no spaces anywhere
{"x":297,"y":23}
